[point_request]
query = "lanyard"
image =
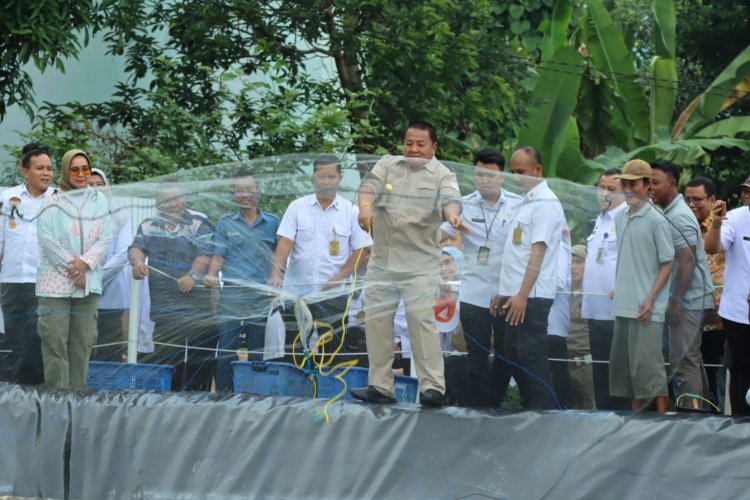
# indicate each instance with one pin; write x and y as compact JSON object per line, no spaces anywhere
{"x":492,"y":222}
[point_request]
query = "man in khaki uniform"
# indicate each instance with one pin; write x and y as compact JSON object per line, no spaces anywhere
{"x":402,"y":200}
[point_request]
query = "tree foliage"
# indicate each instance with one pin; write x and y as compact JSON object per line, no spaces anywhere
{"x":44,"y":32}
{"x":218,"y":80}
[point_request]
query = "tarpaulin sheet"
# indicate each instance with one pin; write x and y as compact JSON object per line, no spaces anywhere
{"x":146,"y":445}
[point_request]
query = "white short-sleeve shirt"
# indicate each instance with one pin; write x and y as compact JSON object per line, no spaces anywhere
{"x":601,"y":264}
{"x":489,"y":228}
{"x":312,"y":229}
{"x":19,"y":243}
{"x":539,"y":218}
{"x":735,"y":237}
{"x":558,"y":321}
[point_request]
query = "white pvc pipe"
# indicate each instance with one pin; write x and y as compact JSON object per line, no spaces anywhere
{"x":134,"y":320}
{"x":413,"y":371}
{"x":727,"y":399}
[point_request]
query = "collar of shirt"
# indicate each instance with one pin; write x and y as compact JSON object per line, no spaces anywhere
{"x":644,"y":209}
{"x":430,"y":166}
{"x":161,"y":222}
{"x":536,"y":191}
{"x":334,"y":204}
{"x":477,"y":199}
{"x":610,"y":214}
{"x":259,"y":219}
{"x":674,"y":203}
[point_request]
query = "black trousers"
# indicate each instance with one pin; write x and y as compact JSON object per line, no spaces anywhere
{"x":110,"y":331}
{"x":557,"y":347}
{"x":19,"y":305}
{"x":489,"y":380}
{"x":712,"y":350}
{"x":526,"y":347}
{"x":198,"y":329}
{"x":738,"y":338}
{"x":600,"y":341}
{"x":329,"y":311}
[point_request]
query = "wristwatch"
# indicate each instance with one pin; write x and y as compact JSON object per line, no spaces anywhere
{"x":194,"y":276}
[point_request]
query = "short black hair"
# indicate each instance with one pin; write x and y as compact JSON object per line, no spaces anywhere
{"x":490,"y":155}
{"x":325,"y":160}
{"x":610,"y":172}
{"x":531,"y":151}
{"x":708,"y":185}
{"x":31,"y":150}
{"x":423,"y":125}
{"x":668,"y":168}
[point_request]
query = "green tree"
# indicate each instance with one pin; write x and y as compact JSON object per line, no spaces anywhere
{"x":622,"y":113}
{"x":43,"y":31}
{"x":213,"y":80}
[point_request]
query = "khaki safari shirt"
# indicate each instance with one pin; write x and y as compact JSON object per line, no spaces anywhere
{"x":408,"y":211}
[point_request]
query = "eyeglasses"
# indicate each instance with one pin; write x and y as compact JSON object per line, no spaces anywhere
{"x":77,"y":170}
{"x":694,"y":200}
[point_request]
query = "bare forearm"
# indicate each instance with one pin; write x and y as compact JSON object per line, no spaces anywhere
{"x":283,"y":249}
{"x":684,"y":275}
{"x":136,"y":256}
{"x":366,"y":197}
{"x":199,"y":264}
{"x":712,"y":240}
{"x":661,"y":279}
{"x":217,"y":262}
{"x":348,"y":267}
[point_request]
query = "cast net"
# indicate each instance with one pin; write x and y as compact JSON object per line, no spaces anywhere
{"x":212,"y":294}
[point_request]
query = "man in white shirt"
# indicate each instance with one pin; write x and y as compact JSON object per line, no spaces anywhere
{"x":730,"y":233}
{"x":599,"y":285}
{"x":20,"y":259}
{"x":487,"y":212}
{"x":528,"y":279}
{"x":319,"y":243}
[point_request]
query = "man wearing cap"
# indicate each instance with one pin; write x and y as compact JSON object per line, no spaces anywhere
{"x":402,"y":200}
{"x":599,"y":285}
{"x":581,"y":369}
{"x":644,"y":264}
{"x":20,"y":259}
{"x":528,"y":279}
{"x":730,"y":233}
{"x":487,"y":212}
{"x":691,"y":290}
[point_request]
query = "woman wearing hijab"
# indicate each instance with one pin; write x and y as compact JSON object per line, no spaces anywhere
{"x":115,"y":297}
{"x":74,"y":231}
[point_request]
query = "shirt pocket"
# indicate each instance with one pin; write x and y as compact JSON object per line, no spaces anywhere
{"x":524,"y":221}
{"x":343,"y":235}
{"x":305,"y":232}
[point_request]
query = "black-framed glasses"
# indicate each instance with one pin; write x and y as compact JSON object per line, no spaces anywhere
{"x":694,"y":200}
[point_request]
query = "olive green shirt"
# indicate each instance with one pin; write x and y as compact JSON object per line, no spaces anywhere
{"x":408,"y":211}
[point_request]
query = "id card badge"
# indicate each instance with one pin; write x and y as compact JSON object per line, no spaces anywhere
{"x":484,"y":255}
{"x":333,"y":248}
{"x":600,"y":255}
{"x":517,"y":232}
{"x":11,"y":223}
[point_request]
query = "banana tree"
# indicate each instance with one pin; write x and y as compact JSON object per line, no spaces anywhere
{"x":619,"y":115}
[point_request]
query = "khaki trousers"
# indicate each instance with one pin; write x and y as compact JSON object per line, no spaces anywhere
{"x":384,"y":291}
{"x":67,"y":328}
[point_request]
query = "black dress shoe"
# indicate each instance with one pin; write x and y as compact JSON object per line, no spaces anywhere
{"x":431,"y":398}
{"x":371,"y":395}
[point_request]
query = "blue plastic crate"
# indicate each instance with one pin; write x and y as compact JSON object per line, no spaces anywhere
{"x":270,"y":379}
{"x":405,"y":387}
{"x":119,"y":376}
{"x":284,"y":379}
